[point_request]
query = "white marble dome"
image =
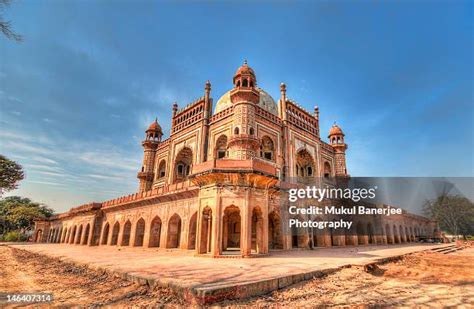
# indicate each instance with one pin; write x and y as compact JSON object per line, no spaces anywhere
{"x":266,"y":102}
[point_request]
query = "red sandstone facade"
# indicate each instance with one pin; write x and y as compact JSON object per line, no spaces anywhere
{"x":215,"y":185}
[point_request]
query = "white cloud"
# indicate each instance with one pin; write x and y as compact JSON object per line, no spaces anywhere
{"x":109,"y":158}
{"x":49,"y":173}
{"x":47,"y":183}
{"x":43,"y":167}
{"x":97,"y":176}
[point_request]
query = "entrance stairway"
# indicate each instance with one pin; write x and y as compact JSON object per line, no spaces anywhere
{"x":449,"y":249}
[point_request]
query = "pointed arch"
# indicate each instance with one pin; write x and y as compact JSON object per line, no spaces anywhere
{"x":86,"y":234}
{"x":139,"y":233}
{"x":400,"y":233}
{"x":388,"y":234}
{"x":162,"y":169}
{"x":275,"y":240}
{"x":192,"y":232}
{"x":370,"y":234}
{"x":305,"y":166}
{"x":64,"y":236}
{"x":174,"y":231}
{"x":127,"y":229}
{"x":361,"y":234}
{"x":327,"y":170}
{"x":183,"y":163}
{"x":221,"y":147}
{"x":105,"y":233}
{"x":267,"y":148}
{"x":39,"y":235}
{"x":115,"y":234}
{"x":155,"y":232}
{"x":79,"y":235}
{"x":231,"y":228}
{"x":73,"y":234}
{"x":396,"y":236}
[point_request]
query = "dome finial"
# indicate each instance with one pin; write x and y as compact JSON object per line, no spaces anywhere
{"x":245,"y":62}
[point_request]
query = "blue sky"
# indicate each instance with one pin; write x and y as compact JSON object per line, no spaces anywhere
{"x":77,"y":94}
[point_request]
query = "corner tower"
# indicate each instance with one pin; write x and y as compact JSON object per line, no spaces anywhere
{"x":243,"y":143}
{"x":336,"y":140}
{"x":152,"y":139}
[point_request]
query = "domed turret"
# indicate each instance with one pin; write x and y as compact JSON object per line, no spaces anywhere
{"x":336,"y":140}
{"x":335,"y":134}
{"x":245,"y":77}
{"x":244,"y":98}
{"x":154,"y":132}
{"x":150,"y":145}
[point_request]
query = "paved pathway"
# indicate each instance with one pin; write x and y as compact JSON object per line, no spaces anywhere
{"x":183,"y":269}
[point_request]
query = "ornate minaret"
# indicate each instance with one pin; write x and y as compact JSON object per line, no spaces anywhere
{"x":336,"y":140}
{"x":150,"y":145}
{"x":207,"y":116}
{"x":243,"y":143}
{"x":284,"y":138}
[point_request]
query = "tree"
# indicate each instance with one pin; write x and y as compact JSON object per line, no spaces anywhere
{"x":18,"y":214}
{"x":454,"y":213}
{"x":5,"y":26}
{"x":10,"y":174}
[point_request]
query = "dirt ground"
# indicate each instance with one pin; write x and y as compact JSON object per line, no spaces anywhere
{"x":422,"y":279}
{"x":22,"y":271}
{"x":426,"y":278}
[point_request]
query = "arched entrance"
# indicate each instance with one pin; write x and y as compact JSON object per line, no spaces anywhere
{"x":127,"y":229}
{"x":39,"y":235}
{"x":115,"y":234}
{"x":221,"y":147}
{"x":183,"y":162}
{"x":361,"y":234}
{"x":60,"y":235}
{"x":155,"y":232}
{"x":192,"y":232}
{"x":396,"y":237}
{"x":370,"y":234}
{"x":174,"y":232}
{"x":206,"y":230}
{"x":400,"y":233}
{"x":86,"y":234}
{"x":304,"y":166}
{"x":65,"y":234}
{"x":139,"y":233}
{"x":389,"y":234}
{"x":257,"y":230}
{"x":274,"y":231}
{"x":105,"y":234}
{"x":267,"y":148}
{"x":349,"y":237}
{"x":73,"y":235}
{"x":231,"y":232}
{"x":79,"y":235}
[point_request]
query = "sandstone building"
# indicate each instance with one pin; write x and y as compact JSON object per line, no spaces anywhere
{"x":216,"y":184}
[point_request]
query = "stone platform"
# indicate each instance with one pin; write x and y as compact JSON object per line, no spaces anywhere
{"x":204,"y":280}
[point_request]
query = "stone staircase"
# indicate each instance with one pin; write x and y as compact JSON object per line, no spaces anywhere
{"x":449,"y":249}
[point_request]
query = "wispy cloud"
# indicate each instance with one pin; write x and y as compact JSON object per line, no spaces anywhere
{"x":97,"y":176}
{"x":49,"y":183}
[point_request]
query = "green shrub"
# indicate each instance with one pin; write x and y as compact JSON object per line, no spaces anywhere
{"x":14,"y":236}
